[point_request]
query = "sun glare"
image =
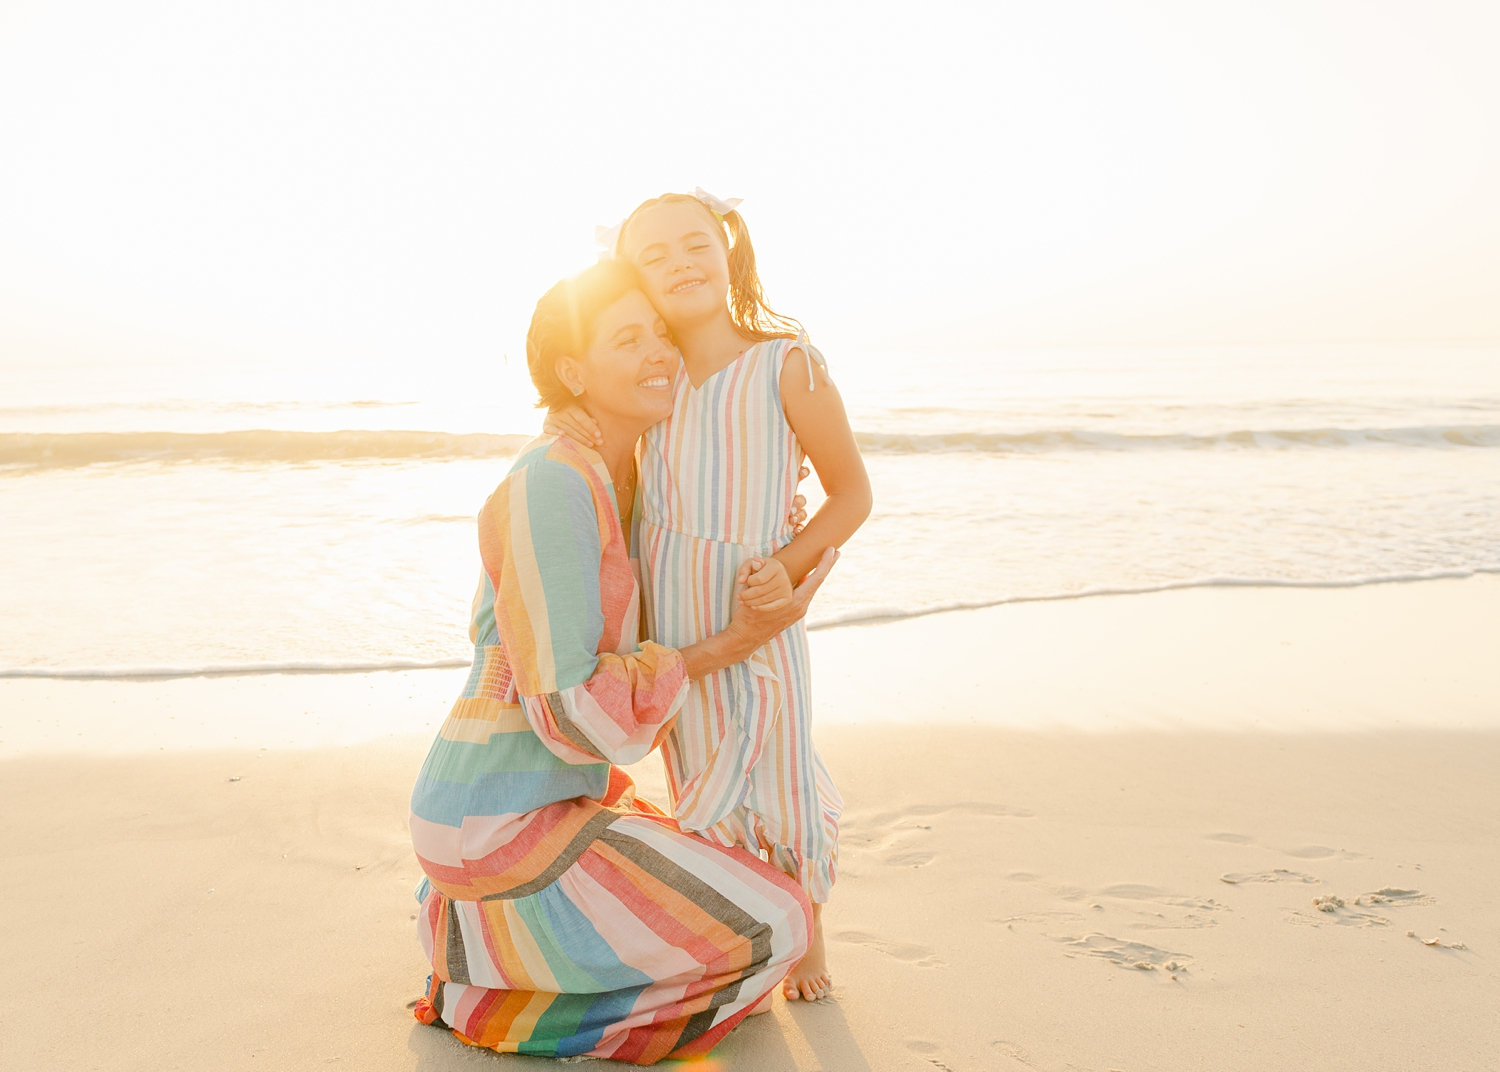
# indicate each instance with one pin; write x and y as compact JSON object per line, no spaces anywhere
{"x":384,"y":196}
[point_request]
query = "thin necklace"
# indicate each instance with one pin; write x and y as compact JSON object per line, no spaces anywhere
{"x":625,"y":490}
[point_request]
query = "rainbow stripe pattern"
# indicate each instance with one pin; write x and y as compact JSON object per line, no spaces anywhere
{"x":561,"y":915}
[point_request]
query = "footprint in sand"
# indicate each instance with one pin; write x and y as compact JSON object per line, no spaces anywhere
{"x":1174,"y":919}
{"x":1311,"y":852}
{"x":1231,"y":839}
{"x":1015,"y":1053}
{"x":1302,"y":852}
{"x":922,"y":811}
{"x":889,"y":848}
{"x":1280,"y":874}
{"x":883,"y":834}
{"x":930,"y":1052}
{"x":1333,"y":909}
{"x":1394,"y":898}
{"x":1136,"y":956}
{"x":1066,"y":893}
{"x":910,"y":859}
{"x":886,"y":847}
{"x":1358,"y":912}
{"x":1038,"y":917}
{"x":903,"y":951}
{"x":1135,"y":892}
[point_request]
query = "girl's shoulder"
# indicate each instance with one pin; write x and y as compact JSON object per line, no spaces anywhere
{"x":797,"y":359}
{"x":783,"y":344}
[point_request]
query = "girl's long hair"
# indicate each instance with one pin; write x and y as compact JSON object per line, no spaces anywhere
{"x":747,"y":300}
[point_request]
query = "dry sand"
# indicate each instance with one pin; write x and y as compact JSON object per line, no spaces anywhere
{"x":1212,"y":829}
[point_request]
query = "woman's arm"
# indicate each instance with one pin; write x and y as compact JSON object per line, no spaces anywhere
{"x":818,"y":420}
{"x":543,"y":548}
{"x":750,"y":627}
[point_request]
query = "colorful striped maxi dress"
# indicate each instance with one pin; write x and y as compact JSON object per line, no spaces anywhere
{"x":717,"y":479}
{"x":561,"y":916}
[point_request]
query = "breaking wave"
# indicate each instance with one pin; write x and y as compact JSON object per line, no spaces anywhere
{"x":29,"y":451}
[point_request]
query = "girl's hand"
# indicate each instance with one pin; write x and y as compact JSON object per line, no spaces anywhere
{"x":752,"y":626}
{"x":574,"y":422}
{"x":762,"y":583}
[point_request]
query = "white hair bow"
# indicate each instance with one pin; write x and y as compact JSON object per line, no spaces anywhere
{"x":607,"y":238}
{"x":718,"y":205}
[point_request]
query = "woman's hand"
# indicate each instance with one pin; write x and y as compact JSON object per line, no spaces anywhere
{"x":762,"y":583}
{"x":756,"y":625}
{"x":750,"y":627}
{"x":798,"y":517}
{"x":574,"y":422}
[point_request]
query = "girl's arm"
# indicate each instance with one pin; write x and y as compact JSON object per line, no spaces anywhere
{"x":584,"y":704}
{"x":573,"y":421}
{"x":750,"y":627}
{"x":818,"y":419}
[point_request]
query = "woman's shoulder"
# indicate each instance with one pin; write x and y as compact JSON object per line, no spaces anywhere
{"x":548,"y":451}
{"x":555,"y":465}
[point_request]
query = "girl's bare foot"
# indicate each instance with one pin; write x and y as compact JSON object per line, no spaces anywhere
{"x":810,"y":980}
{"x":763,"y":1005}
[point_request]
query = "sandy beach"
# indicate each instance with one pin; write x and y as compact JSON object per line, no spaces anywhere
{"x":1231,"y":828}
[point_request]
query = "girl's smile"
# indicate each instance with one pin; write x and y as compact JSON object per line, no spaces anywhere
{"x":682,"y":259}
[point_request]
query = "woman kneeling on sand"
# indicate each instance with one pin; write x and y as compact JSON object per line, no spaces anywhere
{"x":561,"y":915}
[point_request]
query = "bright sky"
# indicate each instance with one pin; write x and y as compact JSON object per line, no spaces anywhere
{"x":398,"y":181}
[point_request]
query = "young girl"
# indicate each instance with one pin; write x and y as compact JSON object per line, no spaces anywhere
{"x":718,"y":477}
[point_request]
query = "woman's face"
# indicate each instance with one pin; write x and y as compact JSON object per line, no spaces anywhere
{"x":679,"y":250}
{"x":628,"y":371}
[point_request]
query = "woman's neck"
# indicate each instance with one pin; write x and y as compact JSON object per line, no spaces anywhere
{"x":709,"y":345}
{"x":618,"y":448}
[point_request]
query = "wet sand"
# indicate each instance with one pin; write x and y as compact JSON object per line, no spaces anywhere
{"x":1227,"y":829}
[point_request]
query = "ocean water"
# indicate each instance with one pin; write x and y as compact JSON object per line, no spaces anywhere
{"x":160,"y":522}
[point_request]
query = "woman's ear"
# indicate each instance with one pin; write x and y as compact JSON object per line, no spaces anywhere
{"x":570,"y":375}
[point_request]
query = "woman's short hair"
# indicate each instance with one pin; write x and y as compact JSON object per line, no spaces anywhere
{"x":564,"y":320}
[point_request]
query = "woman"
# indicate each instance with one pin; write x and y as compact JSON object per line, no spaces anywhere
{"x":560,"y":915}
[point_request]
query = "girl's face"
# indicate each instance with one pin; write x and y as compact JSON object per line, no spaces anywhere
{"x":679,"y":249}
{"x":628,"y":370}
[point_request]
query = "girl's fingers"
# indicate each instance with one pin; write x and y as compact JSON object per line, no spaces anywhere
{"x":762,"y":603}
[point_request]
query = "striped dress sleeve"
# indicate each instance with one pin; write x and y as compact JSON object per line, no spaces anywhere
{"x":544,"y":545}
